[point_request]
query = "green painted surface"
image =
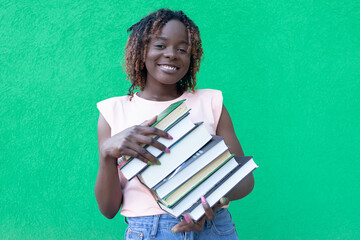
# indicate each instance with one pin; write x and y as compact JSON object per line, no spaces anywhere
{"x":289,"y":71}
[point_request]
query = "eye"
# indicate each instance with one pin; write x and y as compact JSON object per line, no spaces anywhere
{"x":159,"y":46}
{"x":182,"y":50}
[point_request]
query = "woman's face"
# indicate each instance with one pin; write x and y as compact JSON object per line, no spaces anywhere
{"x":168,"y":56}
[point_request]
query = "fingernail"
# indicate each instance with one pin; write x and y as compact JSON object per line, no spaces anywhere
{"x":187,"y":219}
{"x":173,"y":231}
{"x":203,"y":200}
{"x":223,"y":200}
{"x":170,"y":137}
{"x":167,"y":150}
{"x":150,"y":163}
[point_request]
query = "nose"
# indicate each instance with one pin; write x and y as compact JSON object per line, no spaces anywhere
{"x":170,"y":53}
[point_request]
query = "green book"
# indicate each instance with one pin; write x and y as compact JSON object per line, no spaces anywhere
{"x":170,"y":113}
{"x":165,"y":120}
{"x":197,"y":179}
{"x":176,"y":121}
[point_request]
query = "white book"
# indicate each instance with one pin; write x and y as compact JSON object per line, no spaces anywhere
{"x":181,"y":151}
{"x":220,"y":190}
{"x":135,"y":166}
{"x":199,"y":160}
{"x":192,"y":198}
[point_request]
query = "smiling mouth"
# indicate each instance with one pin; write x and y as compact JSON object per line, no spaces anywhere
{"x":168,"y":67}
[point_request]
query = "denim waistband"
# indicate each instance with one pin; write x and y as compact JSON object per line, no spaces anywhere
{"x":163,"y":221}
{"x":153,"y":222}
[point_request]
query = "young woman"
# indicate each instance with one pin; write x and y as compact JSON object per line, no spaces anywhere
{"x":163,"y":55}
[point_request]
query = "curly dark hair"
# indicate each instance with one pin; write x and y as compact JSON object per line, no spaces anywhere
{"x":137,"y":45}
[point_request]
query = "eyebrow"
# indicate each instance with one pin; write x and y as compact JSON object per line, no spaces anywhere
{"x":165,"y":39}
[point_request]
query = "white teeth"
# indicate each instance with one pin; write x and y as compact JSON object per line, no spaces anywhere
{"x":168,"y":67}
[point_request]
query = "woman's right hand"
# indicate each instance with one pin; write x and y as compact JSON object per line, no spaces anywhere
{"x":130,"y":142}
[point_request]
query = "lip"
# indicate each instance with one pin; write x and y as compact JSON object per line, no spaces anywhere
{"x":168,"y":70}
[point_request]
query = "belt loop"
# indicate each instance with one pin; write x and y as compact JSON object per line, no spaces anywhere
{"x":155,"y":227}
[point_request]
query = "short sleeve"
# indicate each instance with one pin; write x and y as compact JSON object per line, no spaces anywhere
{"x":217,"y":105}
{"x":107,"y":109}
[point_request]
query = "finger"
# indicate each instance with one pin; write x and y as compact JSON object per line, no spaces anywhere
{"x":151,"y":141}
{"x":209,"y":213}
{"x":150,"y":131}
{"x":142,"y":154}
{"x":184,"y":226}
{"x":132,"y":153}
{"x":224,"y":201}
{"x":150,"y":121}
{"x":188,"y":219}
{"x":199,"y":225}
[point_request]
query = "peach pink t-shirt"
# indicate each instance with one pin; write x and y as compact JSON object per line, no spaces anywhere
{"x":121,"y":113}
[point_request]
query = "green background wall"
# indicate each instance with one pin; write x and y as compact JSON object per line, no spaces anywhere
{"x":289,"y":71}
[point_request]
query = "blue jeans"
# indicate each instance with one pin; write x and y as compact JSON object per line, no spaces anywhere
{"x":159,"y":226}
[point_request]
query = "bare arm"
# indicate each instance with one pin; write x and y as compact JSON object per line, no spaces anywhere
{"x":108,"y":190}
{"x":225,"y":129}
{"x":128,"y":142}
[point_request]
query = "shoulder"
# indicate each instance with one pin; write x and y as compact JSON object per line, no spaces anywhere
{"x":206,"y":94}
{"x":111,"y":108}
{"x":113,"y":100}
{"x":206,"y":105}
{"x":207,"y":97}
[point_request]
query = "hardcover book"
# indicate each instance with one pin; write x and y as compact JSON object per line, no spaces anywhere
{"x":198,"y":165}
{"x":167,"y":118}
{"x":197,"y":179}
{"x":178,"y":130}
{"x":191,"y":166}
{"x":246,"y":166}
{"x":181,"y":151}
{"x":213,"y":188}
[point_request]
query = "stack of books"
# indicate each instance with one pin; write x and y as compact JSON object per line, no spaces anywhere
{"x":199,"y":164}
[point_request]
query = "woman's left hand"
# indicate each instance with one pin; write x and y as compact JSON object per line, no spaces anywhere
{"x":189,"y":225}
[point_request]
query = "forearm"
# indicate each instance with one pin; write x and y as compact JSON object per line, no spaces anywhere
{"x":225,"y":129}
{"x":242,"y":189}
{"x":108,"y":190}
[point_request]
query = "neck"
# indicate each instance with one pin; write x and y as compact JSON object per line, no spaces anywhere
{"x":160,"y":94}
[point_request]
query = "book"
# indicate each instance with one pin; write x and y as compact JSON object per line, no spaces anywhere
{"x":192,"y":197}
{"x":170,"y":115}
{"x":215,"y":147}
{"x":166,"y":119}
{"x":246,"y":166}
{"x":178,"y":130}
{"x":198,"y":165}
{"x":180,"y":152}
{"x":195,"y":180}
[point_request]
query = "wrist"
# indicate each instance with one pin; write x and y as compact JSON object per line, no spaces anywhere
{"x":106,"y":157}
